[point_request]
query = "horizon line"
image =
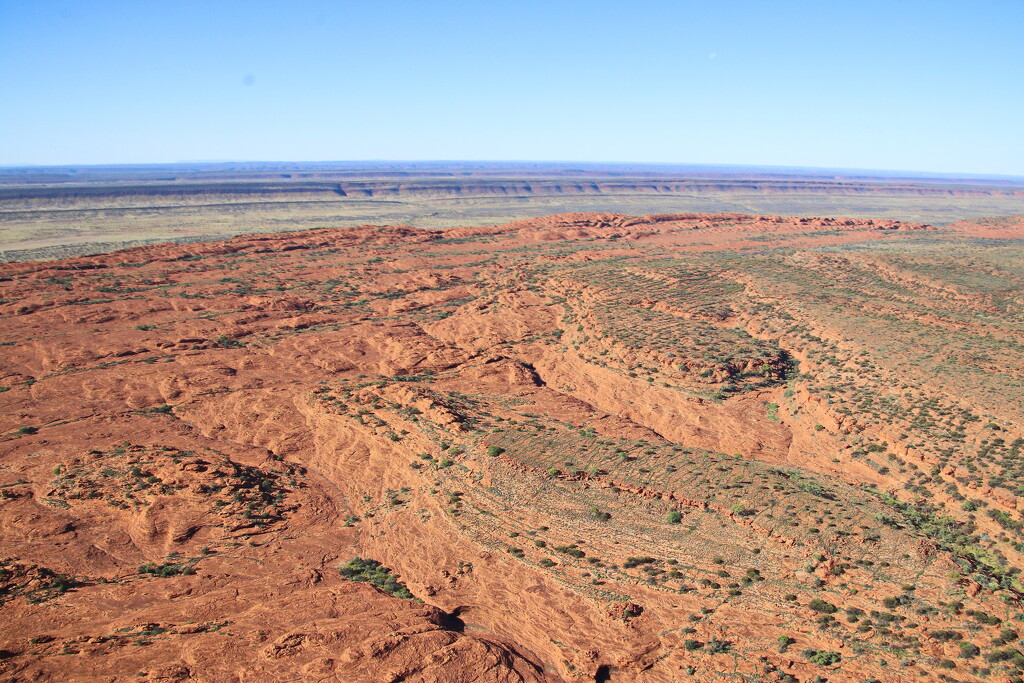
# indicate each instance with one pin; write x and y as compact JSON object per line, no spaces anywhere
{"x":905,"y":173}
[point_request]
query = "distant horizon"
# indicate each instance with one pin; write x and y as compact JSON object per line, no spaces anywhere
{"x":369,"y":164}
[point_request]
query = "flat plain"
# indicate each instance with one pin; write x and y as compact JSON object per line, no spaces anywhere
{"x":57,"y":212}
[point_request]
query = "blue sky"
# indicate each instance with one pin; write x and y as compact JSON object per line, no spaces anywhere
{"x":928,"y":85}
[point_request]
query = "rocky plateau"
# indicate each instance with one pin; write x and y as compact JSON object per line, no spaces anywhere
{"x":586,"y":447}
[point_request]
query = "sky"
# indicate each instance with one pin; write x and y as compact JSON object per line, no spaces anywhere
{"x":901,"y":85}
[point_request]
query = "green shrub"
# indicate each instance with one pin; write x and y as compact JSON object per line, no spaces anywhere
{"x":637,"y":561}
{"x":811,"y":487}
{"x":984,"y":617}
{"x":945,"y":636}
{"x":969,"y":650}
{"x":819,"y":605}
{"x":822,"y":657}
{"x":1006,"y":636}
{"x":166,"y":569}
{"x":717,"y":647}
{"x":226,"y":342}
{"x":674,"y":517}
{"x":373,"y":572}
{"x":1006,"y":655}
{"x":60,"y":583}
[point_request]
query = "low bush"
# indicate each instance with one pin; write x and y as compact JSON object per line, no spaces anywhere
{"x":373,"y":572}
{"x":819,"y":605}
{"x":822,"y":657}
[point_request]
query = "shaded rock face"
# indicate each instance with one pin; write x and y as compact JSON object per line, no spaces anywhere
{"x":591,"y":447}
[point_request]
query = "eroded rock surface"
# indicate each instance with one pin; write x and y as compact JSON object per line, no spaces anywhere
{"x":591,"y":446}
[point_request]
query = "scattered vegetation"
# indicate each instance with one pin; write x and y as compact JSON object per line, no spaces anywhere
{"x":373,"y":572}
